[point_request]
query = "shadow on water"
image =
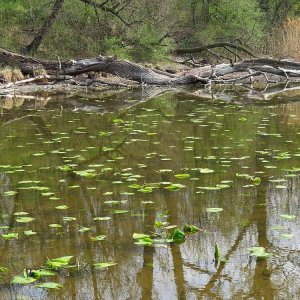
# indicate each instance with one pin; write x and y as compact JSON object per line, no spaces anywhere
{"x":142,"y":137}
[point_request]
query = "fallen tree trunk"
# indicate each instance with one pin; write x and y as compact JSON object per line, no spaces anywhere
{"x":114,"y":66}
{"x":141,"y":74}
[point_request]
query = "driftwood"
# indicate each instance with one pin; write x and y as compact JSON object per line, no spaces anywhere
{"x":138,"y":73}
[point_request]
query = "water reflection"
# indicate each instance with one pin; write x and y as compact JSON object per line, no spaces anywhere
{"x":173,"y":132}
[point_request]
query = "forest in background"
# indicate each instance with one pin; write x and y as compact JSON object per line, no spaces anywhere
{"x":147,"y":31}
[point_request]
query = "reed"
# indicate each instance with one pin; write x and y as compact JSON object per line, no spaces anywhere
{"x":286,"y":40}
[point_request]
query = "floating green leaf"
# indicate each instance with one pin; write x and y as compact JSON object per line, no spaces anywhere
{"x":86,"y":173}
{"x":206,"y":171}
{"x":165,"y":170}
{"x":174,"y":187}
{"x":50,"y":285}
{"x":98,"y":238}
{"x":104,"y":265}
{"x":138,"y":236}
{"x":259,"y":252}
{"x":29,"y":232}
{"x":288,"y":217}
{"x":214,"y":209}
{"x":23,"y":280}
{"x":24,"y":219}
{"x":21,"y":213}
{"x":146,"y":241}
{"x":84,"y":229}
{"x":135,"y":186}
{"x":62,"y":207}
{"x":182,"y":176}
{"x":119,"y":211}
{"x":59,"y":262}
{"x":102,"y":218}
{"x":145,"y":189}
{"x":9,"y":193}
{"x":54,"y":225}
{"x":10,"y":236}
{"x":69,"y":219}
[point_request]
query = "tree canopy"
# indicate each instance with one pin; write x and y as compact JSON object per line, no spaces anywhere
{"x":140,"y":30}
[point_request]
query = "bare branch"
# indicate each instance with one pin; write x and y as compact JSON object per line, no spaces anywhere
{"x":211,"y":46}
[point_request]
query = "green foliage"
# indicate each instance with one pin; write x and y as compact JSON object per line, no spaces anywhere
{"x":143,"y":31}
{"x":115,"y":46}
{"x":239,"y":18}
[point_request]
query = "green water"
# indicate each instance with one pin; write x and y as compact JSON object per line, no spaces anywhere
{"x":45,"y":143}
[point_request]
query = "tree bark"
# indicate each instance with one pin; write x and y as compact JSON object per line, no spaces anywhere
{"x":36,"y":42}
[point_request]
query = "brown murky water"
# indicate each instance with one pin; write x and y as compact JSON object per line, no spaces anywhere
{"x":44,"y":143}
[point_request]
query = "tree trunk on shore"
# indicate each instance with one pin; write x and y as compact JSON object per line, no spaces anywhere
{"x":36,"y":42}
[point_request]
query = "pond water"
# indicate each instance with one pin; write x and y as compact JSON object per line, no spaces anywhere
{"x":97,"y":175}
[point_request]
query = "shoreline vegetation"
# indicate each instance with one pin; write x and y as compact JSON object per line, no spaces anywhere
{"x":57,"y":44}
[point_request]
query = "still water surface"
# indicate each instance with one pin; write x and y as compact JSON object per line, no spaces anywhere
{"x":43,"y":144}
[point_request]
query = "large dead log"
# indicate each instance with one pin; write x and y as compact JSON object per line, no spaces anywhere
{"x":141,"y":74}
{"x":111,"y":65}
